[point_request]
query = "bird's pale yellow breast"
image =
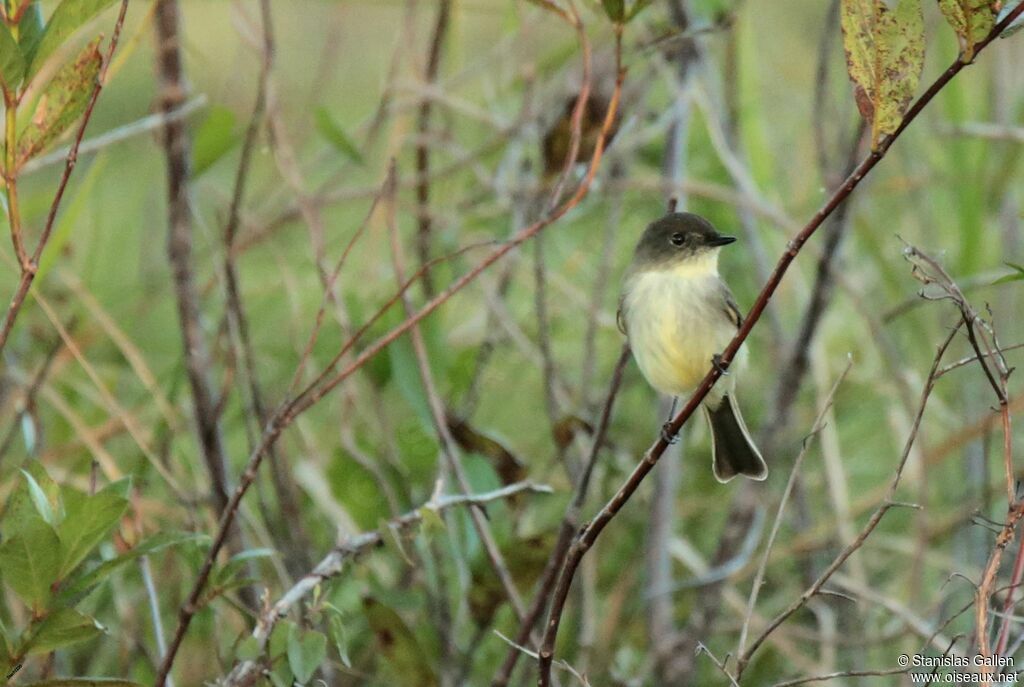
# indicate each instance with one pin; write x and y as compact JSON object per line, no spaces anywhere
{"x":676,"y":322}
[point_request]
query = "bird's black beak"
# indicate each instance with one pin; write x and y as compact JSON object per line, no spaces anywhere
{"x":721,"y":241}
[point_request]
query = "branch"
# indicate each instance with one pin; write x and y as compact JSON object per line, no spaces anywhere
{"x":590,"y":533}
{"x":333,"y":564}
{"x":819,"y":424}
{"x":294,"y":539}
{"x":423,"y":218}
{"x":570,"y":521}
{"x":173,"y":92}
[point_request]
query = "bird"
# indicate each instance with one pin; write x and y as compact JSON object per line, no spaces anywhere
{"x":678,"y":316}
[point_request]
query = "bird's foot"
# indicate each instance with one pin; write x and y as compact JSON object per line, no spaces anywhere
{"x":667,"y":436}
{"x":716,"y":362}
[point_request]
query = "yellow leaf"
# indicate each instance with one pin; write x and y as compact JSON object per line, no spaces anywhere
{"x":884,"y":43}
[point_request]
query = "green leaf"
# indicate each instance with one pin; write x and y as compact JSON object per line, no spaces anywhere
{"x":336,"y":136}
{"x":21,"y":508}
{"x":615,"y":9}
{"x":638,"y":7}
{"x":277,"y":645}
{"x":248,"y":649}
{"x":66,"y":19}
{"x":12,"y":64}
{"x":214,"y":138}
{"x":63,"y":101}
{"x":392,"y":538}
{"x":884,"y":43}
{"x":84,"y":682}
{"x":432,"y":521}
{"x":86,"y":582}
{"x":31,"y":26}
{"x":1016,"y":275}
{"x":89,"y":520}
{"x":61,"y":628}
{"x":971,"y":19}
{"x":307,"y":649}
{"x":405,"y":373}
{"x":237,"y":562}
{"x":39,"y":499}
{"x":277,"y":651}
{"x":338,"y":635}
{"x":398,"y":646}
{"x":30,"y":561}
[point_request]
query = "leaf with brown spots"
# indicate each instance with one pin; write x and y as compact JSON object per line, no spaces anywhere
{"x":884,"y":44}
{"x":971,"y":19}
{"x":63,"y":101}
{"x":398,"y":646}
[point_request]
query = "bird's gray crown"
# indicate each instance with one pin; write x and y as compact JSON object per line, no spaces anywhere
{"x":677,"y":236}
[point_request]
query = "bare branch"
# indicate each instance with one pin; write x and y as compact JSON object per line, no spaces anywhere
{"x":333,"y":564}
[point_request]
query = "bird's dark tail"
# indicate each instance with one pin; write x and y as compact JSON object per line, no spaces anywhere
{"x":732,"y":450}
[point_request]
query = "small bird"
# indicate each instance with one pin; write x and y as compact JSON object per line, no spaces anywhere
{"x":679,"y":316}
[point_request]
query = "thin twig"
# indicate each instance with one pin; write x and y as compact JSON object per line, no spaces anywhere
{"x":198,"y":363}
{"x":570,"y":521}
{"x":887,"y":503}
{"x":124,"y":132}
{"x":449,"y":448}
{"x":840,"y":674}
{"x":819,"y":423}
{"x":333,"y":564}
{"x":294,"y":538}
{"x":423,"y":218}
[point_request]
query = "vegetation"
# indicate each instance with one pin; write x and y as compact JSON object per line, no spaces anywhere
{"x":310,"y":371}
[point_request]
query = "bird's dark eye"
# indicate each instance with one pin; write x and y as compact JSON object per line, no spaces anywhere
{"x":678,"y":239}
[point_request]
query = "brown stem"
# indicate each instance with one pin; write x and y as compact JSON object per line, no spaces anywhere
{"x":1018,"y":563}
{"x":173,"y":93}
{"x":292,"y":534}
{"x":423,"y":234}
{"x":586,"y":538}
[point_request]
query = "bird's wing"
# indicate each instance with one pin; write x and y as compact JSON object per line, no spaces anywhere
{"x":729,"y":306}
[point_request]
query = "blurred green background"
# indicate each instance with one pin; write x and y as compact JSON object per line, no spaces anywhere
{"x":753,"y":102}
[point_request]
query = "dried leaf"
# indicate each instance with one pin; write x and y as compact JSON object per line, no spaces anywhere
{"x":62,"y":102}
{"x":884,"y":45}
{"x":971,"y":19}
{"x":510,"y":469}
